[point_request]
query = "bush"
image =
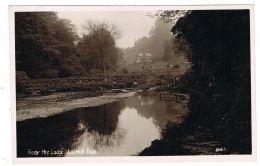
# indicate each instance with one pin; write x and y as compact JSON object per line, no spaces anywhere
{"x":21,"y":75}
{"x":125,"y":71}
{"x":176,"y":66}
{"x":96,"y":71}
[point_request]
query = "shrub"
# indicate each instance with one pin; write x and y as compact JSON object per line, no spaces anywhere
{"x":125,"y":71}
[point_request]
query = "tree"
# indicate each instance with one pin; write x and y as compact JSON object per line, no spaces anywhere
{"x":45,"y":45}
{"x":34,"y":42}
{"x":220,"y":42}
{"x":98,"y":44}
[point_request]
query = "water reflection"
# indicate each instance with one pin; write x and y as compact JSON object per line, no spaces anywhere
{"x":121,"y":128}
{"x":64,"y":131}
{"x":149,"y":105}
{"x":100,"y":127}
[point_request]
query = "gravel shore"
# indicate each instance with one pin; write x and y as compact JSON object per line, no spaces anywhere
{"x":44,"y":106}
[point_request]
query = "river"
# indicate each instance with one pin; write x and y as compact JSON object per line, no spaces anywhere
{"x":120,"y":128}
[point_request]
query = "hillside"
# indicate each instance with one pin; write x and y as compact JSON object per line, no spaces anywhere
{"x":157,"y":43}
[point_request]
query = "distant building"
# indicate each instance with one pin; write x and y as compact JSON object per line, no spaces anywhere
{"x":144,"y":58}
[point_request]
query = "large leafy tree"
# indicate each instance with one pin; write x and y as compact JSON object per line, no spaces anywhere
{"x":97,"y":45}
{"x":45,"y":45}
{"x":31,"y":41}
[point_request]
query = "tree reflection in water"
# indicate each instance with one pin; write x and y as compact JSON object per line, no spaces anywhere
{"x":148,"y":105}
{"x":102,"y":132}
{"x":64,"y":131}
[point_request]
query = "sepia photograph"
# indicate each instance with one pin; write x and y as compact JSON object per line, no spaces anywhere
{"x":147,"y":81}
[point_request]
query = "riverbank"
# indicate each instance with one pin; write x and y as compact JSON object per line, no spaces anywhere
{"x":210,"y":128}
{"x":44,"y":106}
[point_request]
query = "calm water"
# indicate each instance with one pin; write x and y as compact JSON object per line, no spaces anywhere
{"x":124,"y":128}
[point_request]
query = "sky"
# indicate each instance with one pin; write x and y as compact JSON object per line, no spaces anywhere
{"x":133,"y":24}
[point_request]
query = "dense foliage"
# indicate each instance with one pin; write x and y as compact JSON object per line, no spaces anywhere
{"x":49,"y":47}
{"x":220,"y":86}
{"x":219,"y":120}
{"x":45,"y":45}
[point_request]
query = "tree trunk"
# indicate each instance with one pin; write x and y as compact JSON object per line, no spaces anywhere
{"x":104,"y":67}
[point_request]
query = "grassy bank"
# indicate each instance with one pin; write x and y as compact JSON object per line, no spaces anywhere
{"x":75,"y":84}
